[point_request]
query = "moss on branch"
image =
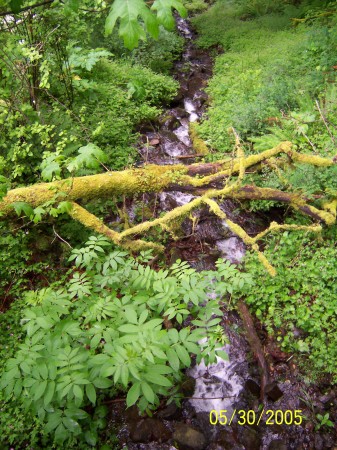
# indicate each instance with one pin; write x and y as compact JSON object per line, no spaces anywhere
{"x":153,"y":178}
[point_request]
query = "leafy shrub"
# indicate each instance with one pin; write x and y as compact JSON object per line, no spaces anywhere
{"x":116,"y":325}
{"x":298,"y":306}
{"x":159,"y":55}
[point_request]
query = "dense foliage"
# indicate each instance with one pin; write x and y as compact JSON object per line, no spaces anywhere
{"x":115,"y":327}
{"x":83,"y":325}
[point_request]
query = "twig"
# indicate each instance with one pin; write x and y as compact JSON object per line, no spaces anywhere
{"x":324,"y":121}
{"x":61,"y":238}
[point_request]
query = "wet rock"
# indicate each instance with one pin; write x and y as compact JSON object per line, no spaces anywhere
{"x":147,"y":430}
{"x":327,"y":397}
{"x":282,"y":369}
{"x":170,"y":200}
{"x":188,"y":387}
{"x":180,"y":113}
{"x":167,"y":135}
{"x":273,"y":391}
{"x":188,"y":438}
{"x":132,"y":414}
{"x":172,"y":123}
{"x":227,"y":441}
{"x":278,"y":444}
{"x":250,"y":439}
{"x":200,"y":98}
{"x":253,"y":387}
{"x":211,"y":230}
{"x":169,"y":412}
{"x":194,"y":85}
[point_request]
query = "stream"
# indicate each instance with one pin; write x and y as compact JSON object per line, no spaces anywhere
{"x":227,"y":385}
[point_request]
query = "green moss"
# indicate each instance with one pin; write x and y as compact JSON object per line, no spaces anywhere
{"x":199,"y":145}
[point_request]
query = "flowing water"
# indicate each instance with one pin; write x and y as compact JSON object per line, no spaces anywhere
{"x":231,"y":385}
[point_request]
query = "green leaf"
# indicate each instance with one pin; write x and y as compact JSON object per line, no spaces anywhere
{"x":164,"y":11}
{"x":173,"y":359}
{"x":102,"y":383}
{"x":91,"y":437}
{"x":53,"y":168}
{"x":183,"y":355}
{"x":147,"y":391}
{"x":16,"y":5}
{"x":130,"y":12}
{"x":91,"y":393}
{"x":131,"y":315}
{"x":90,"y":156}
{"x":71,"y":424}
{"x":157,"y":379}
{"x":61,"y":434}
{"x":129,"y":328}
{"x":22,"y":207}
{"x":143,"y":316}
{"x":49,"y":393}
{"x":54,"y":419}
{"x":40,"y":390}
{"x":173,"y":335}
{"x":78,"y":392}
{"x":133,"y":395}
{"x":222,"y":354}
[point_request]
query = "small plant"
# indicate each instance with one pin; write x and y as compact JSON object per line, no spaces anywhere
{"x":323,"y":421}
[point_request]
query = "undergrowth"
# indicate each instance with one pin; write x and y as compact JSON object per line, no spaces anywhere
{"x":298,"y":306}
{"x":266,"y":68}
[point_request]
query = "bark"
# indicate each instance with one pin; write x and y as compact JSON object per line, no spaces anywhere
{"x":255,"y":345}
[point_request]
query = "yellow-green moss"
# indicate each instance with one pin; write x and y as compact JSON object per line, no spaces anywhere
{"x":199,"y":145}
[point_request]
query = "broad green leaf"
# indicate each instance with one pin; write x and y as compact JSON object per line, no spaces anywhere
{"x":89,"y":156}
{"x":157,"y":379}
{"x":131,"y":315}
{"x":129,"y":328}
{"x":54,"y":419}
{"x":71,"y":424}
{"x":164,"y":11}
{"x":91,"y":437}
{"x":133,"y":395}
{"x":131,"y":13}
{"x":50,"y":170}
{"x":102,"y":383}
{"x":173,"y":359}
{"x":143,"y":316}
{"x":61,"y":434}
{"x":91,"y":393}
{"x":161,"y":369}
{"x":147,"y":391}
{"x":222,"y":354}
{"x":41,"y":387}
{"x":22,"y":207}
{"x":78,"y":392}
{"x":49,"y":393}
{"x":173,"y":335}
{"x":16,"y":5}
{"x":183,"y":355}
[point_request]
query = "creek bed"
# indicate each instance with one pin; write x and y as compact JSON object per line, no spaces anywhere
{"x":227,"y":385}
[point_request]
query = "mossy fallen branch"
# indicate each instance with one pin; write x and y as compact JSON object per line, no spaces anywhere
{"x":216,"y":181}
